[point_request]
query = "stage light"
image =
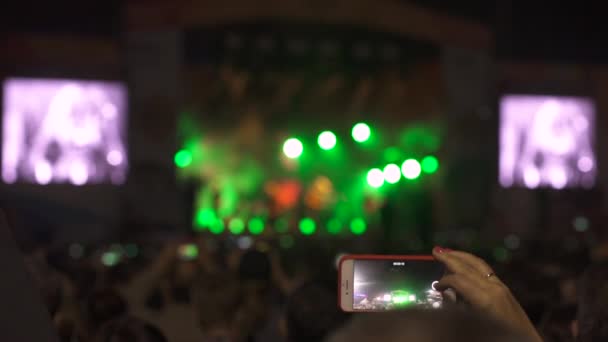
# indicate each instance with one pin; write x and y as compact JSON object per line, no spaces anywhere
{"x":375,"y":178}
{"x":392,"y":173}
{"x":307,"y":226}
{"x":205,"y":218}
{"x":256,"y":226}
{"x":334,"y":226}
{"x":217,"y":227}
{"x":293,"y":148}
{"x":281,"y":225}
{"x":430,"y":164}
{"x":411,"y":169}
{"x":361,"y":132}
{"x":358,"y":226}
{"x":392,"y":154}
{"x":400,"y":299}
{"x":183,"y":158}
{"x":236,"y":226}
{"x":327,"y":140}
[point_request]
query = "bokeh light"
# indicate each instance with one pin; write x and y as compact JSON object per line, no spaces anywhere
{"x":131,"y":250}
{"x":281,"y":225}
{"x":110,"y":258}
{"x":205,"y":218}
{"x":501,"y":254}
{"x":392,"y":173}
{"x":188,"y":251}
{"x":183,"y":158}
{"x":375,"y":178}
{"x":76,"y":251}
{"x":512,"y":241}
{"x":392,"y":154}
{"x":327,"y":140}
{"x":430,"y":164}
{"x":334,"y":226}
{"x":217,"y":227}
{"x":293,"y":148}
{"x":411,"y":169}
{"x":361,"y":132}
{"x":256,"y":226}
{"x":581,"y":224}
{"x":307,"y":226}
{"x":358,"y":226}
{"x":244,"y":242}
{"x":236,"y":226}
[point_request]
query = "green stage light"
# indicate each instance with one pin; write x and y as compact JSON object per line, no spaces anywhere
{"x":411,"y":169}
{"x":392,"y":154}
{"x":307,"y":226}
{"x":236,"y":226}
{"x":293,"y":148}
{"x":392,"y":173}
{"x":361,"y":132}
{"x":358,"y":226}
{"x":430,"y":164}
{"x":183,"y":158}
{"x":256,"y":226}
{"x":281,"y":225}
{"x":327,"y":140}
{"x":334,"y":226}
{"x":217,"y":227}
{"x":205,"y":218}
{"x":375,"y":178}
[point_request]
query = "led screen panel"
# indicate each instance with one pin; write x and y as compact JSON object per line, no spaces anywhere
{"x":547,"y":141}
{"x":64,"y":131}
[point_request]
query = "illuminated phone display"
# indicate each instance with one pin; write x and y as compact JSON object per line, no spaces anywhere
{"x":394,"y":284}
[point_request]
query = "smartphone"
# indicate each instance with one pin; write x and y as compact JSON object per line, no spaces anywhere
{"x":371,"y":283}
{"x":187,"y":252}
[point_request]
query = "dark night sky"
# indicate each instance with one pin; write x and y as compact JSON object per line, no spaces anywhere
{"x":525,"y":30}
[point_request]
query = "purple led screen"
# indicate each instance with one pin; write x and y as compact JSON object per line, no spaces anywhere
{"x":546,"y":141}
{"x":64,"y":131}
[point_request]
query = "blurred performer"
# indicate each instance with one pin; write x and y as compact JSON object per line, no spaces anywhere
{"x":75,"y":142}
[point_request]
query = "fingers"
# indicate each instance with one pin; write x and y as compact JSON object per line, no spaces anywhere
{"x":458,"y":262}
{"x":481,"y":266}
{"x":454,"y":265}
{"x":464,"y":285}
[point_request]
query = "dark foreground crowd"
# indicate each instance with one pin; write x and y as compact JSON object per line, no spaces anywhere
{"x":200,"y":289}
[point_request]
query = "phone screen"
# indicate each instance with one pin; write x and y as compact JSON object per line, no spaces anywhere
{"x":394,"y":284}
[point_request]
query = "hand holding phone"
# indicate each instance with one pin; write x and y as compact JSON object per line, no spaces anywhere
{"x":473,"y":279}
{"x":388,"y":282}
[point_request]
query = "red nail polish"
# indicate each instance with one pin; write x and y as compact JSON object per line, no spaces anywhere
{"x":438,"y":249}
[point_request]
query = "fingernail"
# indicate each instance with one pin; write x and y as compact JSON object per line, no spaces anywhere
{"x":441,"y":249}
